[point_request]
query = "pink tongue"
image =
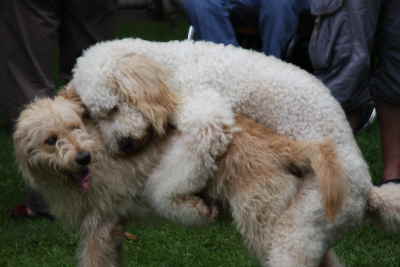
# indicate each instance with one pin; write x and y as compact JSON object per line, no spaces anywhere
{"x":85,"y":183}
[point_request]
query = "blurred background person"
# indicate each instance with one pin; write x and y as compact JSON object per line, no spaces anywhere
{"x":355,"y":51}
{"x":276,"y":20}
{"x":34,"y":34}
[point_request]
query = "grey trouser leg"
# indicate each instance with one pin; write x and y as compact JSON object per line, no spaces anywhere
{"x":385,"y":82}
{"x":28,"y":34}
{"x":83,"y":24}
{"x":31,"y":31}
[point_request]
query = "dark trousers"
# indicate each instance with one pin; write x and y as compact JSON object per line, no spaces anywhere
{"x":385,"y":82}
{"x":34,"y":33}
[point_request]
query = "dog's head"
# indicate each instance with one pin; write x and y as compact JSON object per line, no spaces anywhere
{"x":52,"y":145}
{"x":129,"y":99}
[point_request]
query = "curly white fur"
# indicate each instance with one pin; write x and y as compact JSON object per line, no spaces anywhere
{"x":264,"y":88}
{"x":274,"y":93}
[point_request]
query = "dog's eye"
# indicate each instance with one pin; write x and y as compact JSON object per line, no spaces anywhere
{"x":114,"y":110}
{"x":51,"y":140}
{"x":86,"y":115}
{"x":74,"y":127}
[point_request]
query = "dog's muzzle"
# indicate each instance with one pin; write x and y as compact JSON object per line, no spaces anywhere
{"x":83,"y":158}
{"x":127,"y":145}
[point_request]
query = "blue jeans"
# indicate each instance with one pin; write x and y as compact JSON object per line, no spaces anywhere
{"x":277,"y":20}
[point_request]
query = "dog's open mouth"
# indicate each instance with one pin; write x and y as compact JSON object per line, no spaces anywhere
{"x":83,"y":179}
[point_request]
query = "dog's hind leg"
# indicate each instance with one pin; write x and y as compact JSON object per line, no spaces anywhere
{"x":101,"y":243}
{"x":171,"y":188}
{"x":303,"y":235}
{"x":259,"y":207}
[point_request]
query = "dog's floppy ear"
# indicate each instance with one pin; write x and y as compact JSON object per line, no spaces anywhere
{"x":143,"y":83}
{"x":69,"y":92}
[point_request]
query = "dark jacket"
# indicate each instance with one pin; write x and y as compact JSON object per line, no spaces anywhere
{"x":340,"y":46}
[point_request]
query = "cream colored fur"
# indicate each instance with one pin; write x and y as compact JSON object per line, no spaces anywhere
{"x":384,"y":206}
{"x":261,"y":176}
{"x":265,"y":180}
{"x":116,"y":184}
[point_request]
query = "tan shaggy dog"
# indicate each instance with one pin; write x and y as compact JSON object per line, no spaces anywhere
{"x":259,"y":180}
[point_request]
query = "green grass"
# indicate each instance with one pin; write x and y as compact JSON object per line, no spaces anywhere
{"x":40,"y":243}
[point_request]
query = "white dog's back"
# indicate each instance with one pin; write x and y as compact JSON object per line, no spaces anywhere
{"x":238,"y":74}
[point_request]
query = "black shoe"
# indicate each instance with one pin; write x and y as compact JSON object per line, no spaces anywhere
{"x":23,"y":212}
{"x":391,"y":181}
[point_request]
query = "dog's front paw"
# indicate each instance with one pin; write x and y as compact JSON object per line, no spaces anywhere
{"x":210,"y":212}
{"x":195,"y":211}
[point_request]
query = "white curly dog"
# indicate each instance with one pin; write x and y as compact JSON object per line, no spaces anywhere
{"x":129,"y":85}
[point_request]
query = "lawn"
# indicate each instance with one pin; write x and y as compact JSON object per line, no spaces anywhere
{"x":40,"y":243}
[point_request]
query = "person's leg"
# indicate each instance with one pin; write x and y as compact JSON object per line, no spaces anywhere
{"x":385,"y":87}
{"x":278,"y":22}
{"x":388,"y":116}
{"x":84,"y":23}
{"x":211,"y":20}
{"x":28,"y":32}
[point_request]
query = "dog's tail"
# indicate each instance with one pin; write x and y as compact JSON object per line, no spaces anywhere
{"x":330,"y":174}
{"x":384,"y":206}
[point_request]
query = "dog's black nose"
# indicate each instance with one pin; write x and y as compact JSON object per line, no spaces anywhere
{"x":83,"y":158}
{"x":127,"y":145}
